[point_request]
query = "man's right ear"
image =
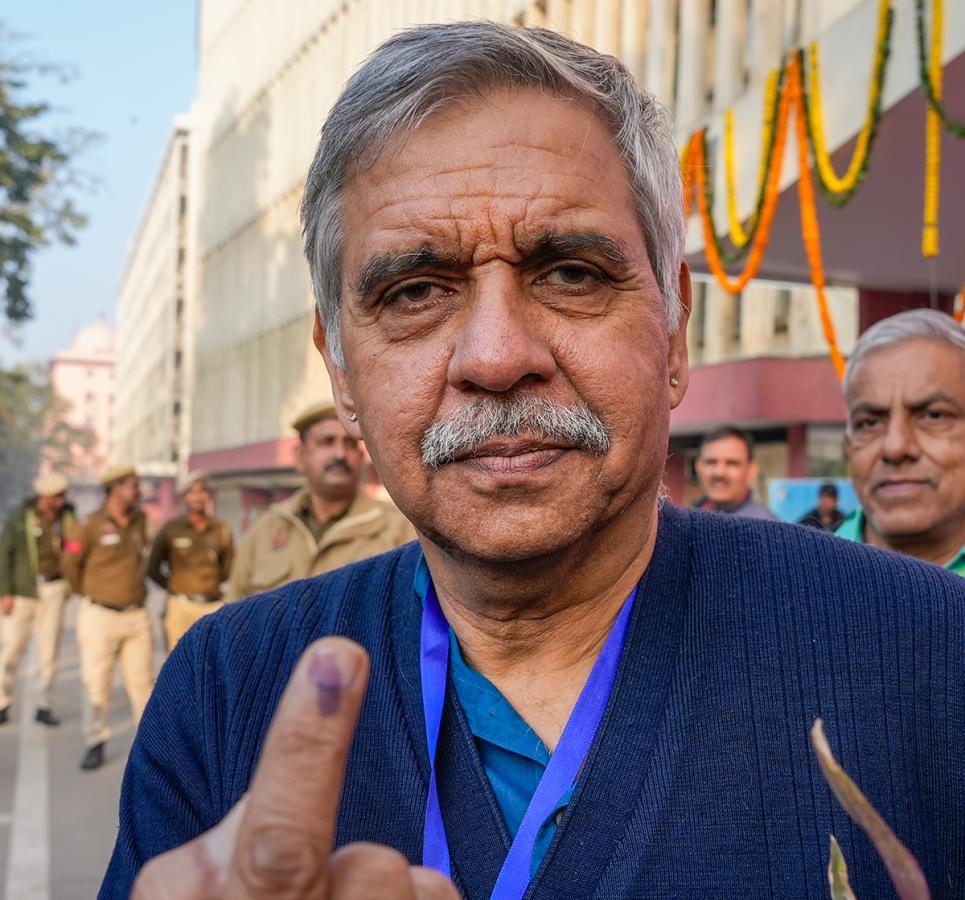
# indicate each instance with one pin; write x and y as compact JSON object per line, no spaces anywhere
{"x":341,"y":391}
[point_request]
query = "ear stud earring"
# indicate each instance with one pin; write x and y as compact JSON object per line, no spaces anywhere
{"x":674,"y":382}
{"x":354,"y":417}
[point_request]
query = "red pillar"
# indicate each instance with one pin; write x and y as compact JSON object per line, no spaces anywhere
{"x":876,"y":305}
{"x":797,"y":451}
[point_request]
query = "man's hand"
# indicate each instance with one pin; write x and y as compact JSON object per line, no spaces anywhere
{"x":6,"y":604}
{"x":277,"y":841}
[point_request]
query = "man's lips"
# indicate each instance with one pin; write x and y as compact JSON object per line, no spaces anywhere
{"x":900,"y":487}
{"x":511,"y":457}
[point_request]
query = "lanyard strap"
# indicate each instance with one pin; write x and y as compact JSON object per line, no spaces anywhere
{"x":564,"y":764}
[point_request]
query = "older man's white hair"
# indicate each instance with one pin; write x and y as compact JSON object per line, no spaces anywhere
{"x":423,"y":70}
{"x":912,"y":325}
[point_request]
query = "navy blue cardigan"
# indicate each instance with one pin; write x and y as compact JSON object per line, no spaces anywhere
{"x":700,"y":782}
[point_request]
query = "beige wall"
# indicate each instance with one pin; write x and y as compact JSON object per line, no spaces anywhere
{"x":266,"y":82}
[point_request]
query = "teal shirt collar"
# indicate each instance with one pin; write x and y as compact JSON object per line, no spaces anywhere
{"x":852,"y":529}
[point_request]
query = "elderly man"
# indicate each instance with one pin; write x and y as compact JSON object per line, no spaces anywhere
{"x":104,"y":562}
{"x":726,"y":469}
{"x":575,"y":690}
{"x":327,"y":524}
{"x":33,"y":589}
{"x":191,"y":558}
{"x":905,"y":391}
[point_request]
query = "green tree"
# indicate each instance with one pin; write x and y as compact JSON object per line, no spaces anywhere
{"x":32,"y":426}
{"x":36,"y":177}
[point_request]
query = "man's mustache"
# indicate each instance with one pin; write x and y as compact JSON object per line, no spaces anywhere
{"x":492,"y":417}
{"x":338,"y":464}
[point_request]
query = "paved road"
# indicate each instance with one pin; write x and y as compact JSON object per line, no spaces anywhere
{"x":57,"y":824}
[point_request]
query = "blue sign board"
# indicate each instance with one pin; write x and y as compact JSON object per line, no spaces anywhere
{"x":791,"y":499}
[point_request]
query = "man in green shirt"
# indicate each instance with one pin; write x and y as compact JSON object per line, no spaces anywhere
{"x":905,"y":440}
{"x":33,"y":590}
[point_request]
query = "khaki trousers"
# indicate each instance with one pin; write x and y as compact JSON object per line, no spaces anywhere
{"x":105,"y":636}
{"x":44,"y":616}
{"x":181,"y":614}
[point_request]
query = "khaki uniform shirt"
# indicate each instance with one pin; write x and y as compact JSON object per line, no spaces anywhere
{"x":197,"y":561}
{"x":105,"y":560}
{"x":279,"y":547}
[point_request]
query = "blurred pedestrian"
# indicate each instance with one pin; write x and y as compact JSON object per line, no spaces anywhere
{"x":104,"y":561}
{"x":191,"y":559}
{"x":327,"y":524}
{"x":826,"y":514}
{"x":33,"y":589}
{"x":726,"y":469}
{"x":905,"y":440}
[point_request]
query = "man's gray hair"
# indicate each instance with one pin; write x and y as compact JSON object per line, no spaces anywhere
{"x":423,"y":70}
{"x":913,"y":324}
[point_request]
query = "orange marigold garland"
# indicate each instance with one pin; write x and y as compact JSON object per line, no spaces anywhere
{"x":763,"y":232}
{"x":809,"y":219}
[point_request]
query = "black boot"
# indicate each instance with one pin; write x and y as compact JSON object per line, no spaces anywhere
{"x":4,"y":715}
{"x":46,"y":717}
{"x":93,"y":758}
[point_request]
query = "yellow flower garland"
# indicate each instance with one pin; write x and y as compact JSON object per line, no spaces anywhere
{"x":762,"y":236}
{"x":738,"y":236}
{"x":933,"y":136}
{"x":847,"y":182}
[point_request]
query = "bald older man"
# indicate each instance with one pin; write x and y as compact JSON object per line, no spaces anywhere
{"x":905,"y":442}
{"x":572,"y":689}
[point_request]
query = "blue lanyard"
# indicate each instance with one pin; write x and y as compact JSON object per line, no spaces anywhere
{"x":564,"y":764}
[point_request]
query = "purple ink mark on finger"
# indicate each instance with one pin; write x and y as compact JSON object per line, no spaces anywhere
{"x":326,"y":675}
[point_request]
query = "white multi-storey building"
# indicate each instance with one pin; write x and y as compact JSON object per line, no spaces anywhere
{"x":155,"y":328}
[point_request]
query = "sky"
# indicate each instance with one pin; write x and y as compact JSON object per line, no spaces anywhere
{"x":135,"y":72}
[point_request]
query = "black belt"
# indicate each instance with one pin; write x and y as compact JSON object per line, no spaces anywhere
{"x":57,"y":577}
{"x":112,"y":607}
{"x":199,"y":598}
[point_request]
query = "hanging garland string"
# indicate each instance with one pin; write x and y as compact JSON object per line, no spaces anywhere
{"x":729,"y":256}
{"x":704,"y":196}
{"x":933,"y":132}
{"x":931,"y":80}
{"x":738,"y":236}
{"x":838,"y":190}
{"x":809,"y":215}
{"x":686,"y":164}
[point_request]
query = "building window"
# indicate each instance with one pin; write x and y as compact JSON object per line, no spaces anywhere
{"x":782,"y":314}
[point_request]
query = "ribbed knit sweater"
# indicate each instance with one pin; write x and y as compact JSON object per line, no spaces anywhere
{"x":700,"y":782}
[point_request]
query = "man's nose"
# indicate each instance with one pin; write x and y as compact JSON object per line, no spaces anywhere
{"x":900,"y":441}
{"x":501,"y":344}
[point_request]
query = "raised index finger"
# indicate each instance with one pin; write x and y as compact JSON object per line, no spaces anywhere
{"x":287,"y":833}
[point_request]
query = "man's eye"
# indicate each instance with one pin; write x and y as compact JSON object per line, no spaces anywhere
{"x":865,"y":423}
{"x":570,"y":276}
{"x":936,"y":415}
{"x":418,"y":292}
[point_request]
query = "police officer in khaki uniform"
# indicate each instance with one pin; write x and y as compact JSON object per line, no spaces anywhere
{"x":190,"y":558}
{"x":33,"y":589}
{"x":327,"y":524}
{"x":104,"y":562}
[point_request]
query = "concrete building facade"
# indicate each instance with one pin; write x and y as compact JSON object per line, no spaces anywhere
{"x":155,"y":308}
{"x":266,"y":83}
